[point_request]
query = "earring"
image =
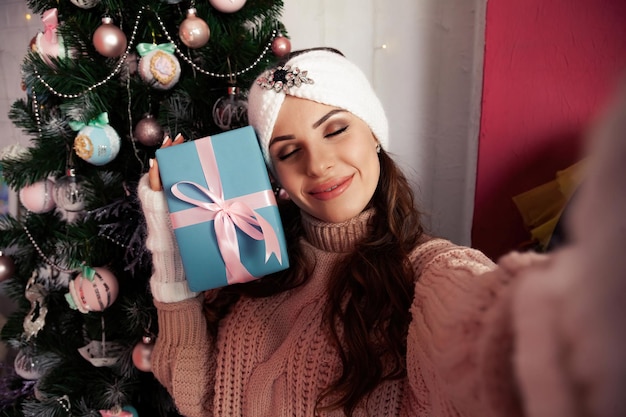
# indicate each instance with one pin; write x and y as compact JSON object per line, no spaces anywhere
{"x":378,"y":148}
{"x":280,"y":193}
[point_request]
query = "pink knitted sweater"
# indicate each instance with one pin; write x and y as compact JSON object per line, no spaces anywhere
{"x":272,"y":356}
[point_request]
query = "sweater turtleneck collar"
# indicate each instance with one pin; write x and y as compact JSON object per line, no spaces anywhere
{"x":336,"y":237}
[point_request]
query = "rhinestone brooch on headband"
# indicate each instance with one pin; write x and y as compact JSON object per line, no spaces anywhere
{"x":283,"y":78}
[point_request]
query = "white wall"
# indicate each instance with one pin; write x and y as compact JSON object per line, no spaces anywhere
{"x":428,"y":77}
{"x":16,"y":33}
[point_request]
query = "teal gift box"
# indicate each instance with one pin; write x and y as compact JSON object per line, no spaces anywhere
{"x":222,"y":209}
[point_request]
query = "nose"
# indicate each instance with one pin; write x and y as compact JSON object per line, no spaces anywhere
{"x":318,"y":161}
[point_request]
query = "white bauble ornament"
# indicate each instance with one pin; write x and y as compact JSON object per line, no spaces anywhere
{"x":38,"y":197}
{"x":97,"y":145}
{"x":85,"y":4}
{"x":97,"y":142}
{"x":227,"y":6}
{"x":158,"y":66}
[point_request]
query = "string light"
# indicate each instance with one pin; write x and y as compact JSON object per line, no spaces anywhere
{"x":120,"y":63}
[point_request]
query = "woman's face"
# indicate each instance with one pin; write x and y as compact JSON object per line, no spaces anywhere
{"x":325,"y":158}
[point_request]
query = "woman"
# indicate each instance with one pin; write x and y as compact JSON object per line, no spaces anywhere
{"x":374,"y":317}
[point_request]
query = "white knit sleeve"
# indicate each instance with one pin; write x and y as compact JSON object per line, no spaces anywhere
{"x":168,"y":283}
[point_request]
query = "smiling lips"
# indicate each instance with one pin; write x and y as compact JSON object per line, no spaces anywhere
{"x":331,"y":189}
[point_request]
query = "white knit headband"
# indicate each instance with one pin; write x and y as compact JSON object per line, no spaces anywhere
{"x":319,"y":75}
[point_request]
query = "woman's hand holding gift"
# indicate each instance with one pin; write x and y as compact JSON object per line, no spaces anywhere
{"x":168,"y":282}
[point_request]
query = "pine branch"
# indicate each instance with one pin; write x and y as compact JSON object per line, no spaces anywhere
{"x":111,"y":231}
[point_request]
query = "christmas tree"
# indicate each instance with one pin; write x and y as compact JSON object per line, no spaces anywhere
{"x":105,"y":82}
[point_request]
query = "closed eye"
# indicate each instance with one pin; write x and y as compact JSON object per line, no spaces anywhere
{"x":287,"y":155}
{"x":336,"y":132}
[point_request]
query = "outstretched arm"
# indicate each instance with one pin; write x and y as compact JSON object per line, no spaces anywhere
{"x":568,"y":313}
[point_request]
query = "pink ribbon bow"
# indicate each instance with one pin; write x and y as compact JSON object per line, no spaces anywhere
{"x":227,"y":215}
{"x":50,"y":20}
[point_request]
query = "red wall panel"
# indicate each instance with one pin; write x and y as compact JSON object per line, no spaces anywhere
{"x":549,"y":67}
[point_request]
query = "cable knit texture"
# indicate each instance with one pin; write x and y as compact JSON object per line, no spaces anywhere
{"x":272,"y":356}
{"x":168,"y":283}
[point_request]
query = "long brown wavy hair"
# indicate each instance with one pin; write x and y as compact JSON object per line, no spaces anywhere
{"x":369,"y":299}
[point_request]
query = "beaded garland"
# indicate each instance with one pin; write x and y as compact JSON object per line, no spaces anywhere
{"x":180,"y":53}
{"x":116,"y":70}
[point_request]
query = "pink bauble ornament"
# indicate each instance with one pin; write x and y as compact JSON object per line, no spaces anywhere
{"x":94,"y":289}
{"x":7,"y":267}
{"x":108,"y":39}
{"x":38,"y":197}
{"x":193,"y":31}
{"x":227,"y":6}
{"x":148,"y":131}
{"x":141,"y":356}
{"x":281,"y":46}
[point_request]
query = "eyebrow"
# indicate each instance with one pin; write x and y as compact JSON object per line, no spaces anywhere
{"x":314,"y":126}
{"x":326,"y":117}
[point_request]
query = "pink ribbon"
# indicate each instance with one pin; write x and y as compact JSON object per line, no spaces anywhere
{"x":227,"y":215}
{"x":50,"y":20}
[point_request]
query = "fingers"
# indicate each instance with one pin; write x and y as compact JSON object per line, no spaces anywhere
{"x":514,"y":262}
{"x":153,"y":173}
{"x":169,"y":142}
{"x":178,"y":139}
